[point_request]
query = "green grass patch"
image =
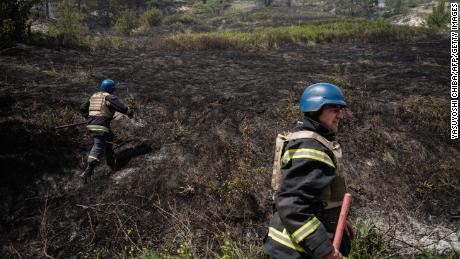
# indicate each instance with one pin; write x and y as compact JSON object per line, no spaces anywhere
{"x":369,"y":243}
{"x":428,"y":112}
{"x":272,"y":38}
{"x":51,"y":118}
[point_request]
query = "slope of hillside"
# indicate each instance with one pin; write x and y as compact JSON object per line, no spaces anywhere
{"x":195,"y":162}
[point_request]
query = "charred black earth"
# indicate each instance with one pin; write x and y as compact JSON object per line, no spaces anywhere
{"x":196,"y":159}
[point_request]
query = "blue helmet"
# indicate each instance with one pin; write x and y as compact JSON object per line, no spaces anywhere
{"x":107,"y":86}
{"x":317,"y":95}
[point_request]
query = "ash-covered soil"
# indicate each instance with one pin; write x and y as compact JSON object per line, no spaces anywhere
{"x":196,"y":159}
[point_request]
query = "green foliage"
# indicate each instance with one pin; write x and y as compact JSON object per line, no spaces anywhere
{"x":152,"y":17}
{"x":179,"y":18}
{"x":425,"y":254}
{"x":439,"y":18}
{"x":102,"y":44}
{"x":127,"y":21}
{"x":259,"y":16}
{"x":13,"y":22}
{"x":272,"y":38}
{"x":56,"y":117}
{"x":214,"y":7}
{"x":106,"y":9}
{"x":369,"y":243}
{"x":160,"y":4}
{"x":246,"y":248}
{"x":354,"y":7}
{"x":69,"y":29}
{"x":397,"y":6}
{"x":232,"y":249}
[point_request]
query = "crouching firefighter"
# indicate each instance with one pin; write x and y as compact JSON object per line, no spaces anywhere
{"x":308,"y":181}
{"x":99,"y":110}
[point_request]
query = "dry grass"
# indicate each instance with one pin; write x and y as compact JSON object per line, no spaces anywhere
{"x":51,"y":118}
{"x":272,"y":38}
{"x":427,"y":111}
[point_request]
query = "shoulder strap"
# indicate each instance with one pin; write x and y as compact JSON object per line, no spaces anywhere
{"x":333,"y":146}
{"x":279,"y":146}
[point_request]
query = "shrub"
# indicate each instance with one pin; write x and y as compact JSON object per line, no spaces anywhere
{"x":241,"y":249}
{"x":180,"y":18}
{"x":126,"y":22}
{"x":214,"y":7}
{"x":51,"y":118}
{"x":368,"y":242}
{"x":439,"y":18}
{"x":69,"y":28}
{"x":13,"y":22}
{"x":152,"y":17}
{"x":103,"y":44}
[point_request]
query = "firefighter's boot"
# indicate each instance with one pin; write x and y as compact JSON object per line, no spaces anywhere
{"x":88,"y":171}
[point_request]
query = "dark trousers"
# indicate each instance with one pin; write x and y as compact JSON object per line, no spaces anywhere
{"x":102,"y":146}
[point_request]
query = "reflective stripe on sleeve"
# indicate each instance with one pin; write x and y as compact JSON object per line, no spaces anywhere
{"x":93,"y":158}
{"x":307,"y":153}
{"x":305,"y":230}
{"x":284,"y":239}
{"x":98,"y":128}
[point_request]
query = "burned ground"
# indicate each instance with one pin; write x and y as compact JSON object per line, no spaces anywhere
{"x":197,"y":157}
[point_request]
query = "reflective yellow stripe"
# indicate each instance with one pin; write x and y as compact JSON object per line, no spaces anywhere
{"x":93,"y":157}
{"x":305,"y":230}
{"x":109,"y":142}
{"x":307,"y":153}
{"x":98,"y":128}
{"x":284,"y":239}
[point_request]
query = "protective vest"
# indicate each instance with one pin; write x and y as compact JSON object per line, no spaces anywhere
{"x":98,"y":105}
{"x":333,"y":194}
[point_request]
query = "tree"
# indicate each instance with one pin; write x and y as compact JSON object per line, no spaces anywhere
{"x":70,"y":27}
{"x":106,"y":9}
{"x":439,"y":18}
{"x":13,"y":20}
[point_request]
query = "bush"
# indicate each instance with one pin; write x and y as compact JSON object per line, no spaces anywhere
{"x":214,"y":7}
{"x":13,"y":22}
{"x":180,"y":18}
{"x":439,"y":18}
{"x":103,"y":44}
{"x":152,"y":17}
{"x":368,"y":242}
{"x":126,"y":22}
{"x":69,"y":28}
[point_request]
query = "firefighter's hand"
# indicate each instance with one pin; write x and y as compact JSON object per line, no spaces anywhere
{"x":350,"y":230}
{"x":130,"y":113}
{"x":335,"y":254}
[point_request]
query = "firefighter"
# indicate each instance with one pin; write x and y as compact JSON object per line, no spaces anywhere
{"x":99,"y":110}
{"x":308,"y":196}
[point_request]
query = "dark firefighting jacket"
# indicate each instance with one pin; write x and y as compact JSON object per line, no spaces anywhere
{"x":99,"y":109}
{"x":301,"y":226}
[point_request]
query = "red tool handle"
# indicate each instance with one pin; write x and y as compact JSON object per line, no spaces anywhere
{"x":342,"y":220}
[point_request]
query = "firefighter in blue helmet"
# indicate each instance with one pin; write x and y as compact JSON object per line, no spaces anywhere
{"x":99,"y":110}
{"x":311,"y":183}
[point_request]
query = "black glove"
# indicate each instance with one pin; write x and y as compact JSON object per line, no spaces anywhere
{"x":130,"y":113}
